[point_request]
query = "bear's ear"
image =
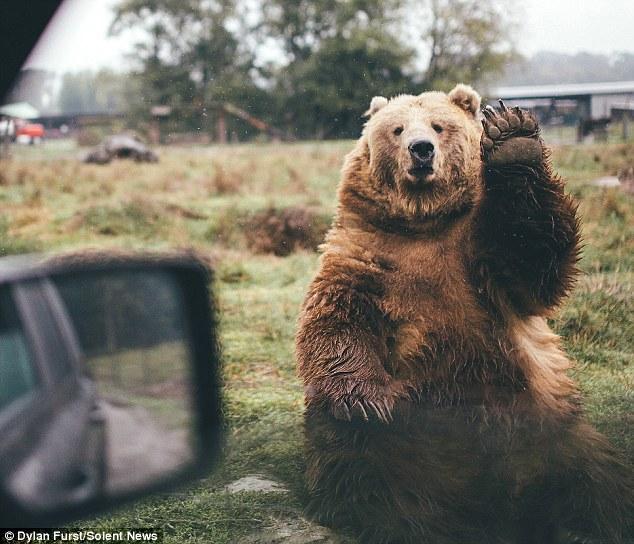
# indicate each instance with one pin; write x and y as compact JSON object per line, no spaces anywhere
{"x":466,"y":98}
{"x":375,"y":105}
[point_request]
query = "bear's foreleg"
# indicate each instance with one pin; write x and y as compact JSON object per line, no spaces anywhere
{"x":341,"y":350}
{"x":527,"y":230}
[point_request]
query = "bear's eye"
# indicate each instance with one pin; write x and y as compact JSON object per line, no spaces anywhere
{"x":438,"y":128}
{"x":398,"y":131}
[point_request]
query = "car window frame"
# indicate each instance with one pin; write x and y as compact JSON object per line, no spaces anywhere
{"x":56,"y":320}
{"x":34,"y":407}
{"x":33,"y":360}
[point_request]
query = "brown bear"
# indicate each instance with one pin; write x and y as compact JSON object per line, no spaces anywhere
{"x":438,"y":407}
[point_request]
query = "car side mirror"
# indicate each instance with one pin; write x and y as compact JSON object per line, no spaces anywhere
{"x":109,"y":386}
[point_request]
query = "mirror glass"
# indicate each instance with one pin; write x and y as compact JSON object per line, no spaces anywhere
{"x":135,"y":350}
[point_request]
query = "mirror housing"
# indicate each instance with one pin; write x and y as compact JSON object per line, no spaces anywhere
{"x":168,"y":296}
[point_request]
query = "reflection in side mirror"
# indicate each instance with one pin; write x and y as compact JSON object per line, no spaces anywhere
{"x":133,"y":334}
{"x":123,"y":395}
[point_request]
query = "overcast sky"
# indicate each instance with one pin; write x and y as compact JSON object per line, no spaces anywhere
{"x":78,"y":39}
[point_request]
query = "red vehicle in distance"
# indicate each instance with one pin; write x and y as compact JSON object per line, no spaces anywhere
{"x":29,"y":133}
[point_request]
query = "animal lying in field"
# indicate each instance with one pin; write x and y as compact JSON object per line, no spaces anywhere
{"x":438,"y":405}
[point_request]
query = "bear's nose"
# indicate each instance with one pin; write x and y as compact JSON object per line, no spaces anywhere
{"x":422,"y":151}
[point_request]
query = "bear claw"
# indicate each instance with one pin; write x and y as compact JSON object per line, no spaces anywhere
{"x":493,"y":131}
{"x":349,"y":400}
{"x":487,"y":143}
{"x":510,"y":136}
{"x":514,"y":121}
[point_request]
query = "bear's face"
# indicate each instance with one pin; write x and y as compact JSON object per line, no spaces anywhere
{"x":424,"y":151}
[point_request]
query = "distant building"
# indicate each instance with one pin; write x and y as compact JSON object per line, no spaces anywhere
{"x":71,"y":124}
{"x":591,"y":105}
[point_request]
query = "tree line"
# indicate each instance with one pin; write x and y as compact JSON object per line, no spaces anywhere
{"x":307,"y":67}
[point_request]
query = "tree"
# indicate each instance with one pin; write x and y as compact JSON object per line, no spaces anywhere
{"x":466,"y":40}
{"x":329,"y":56}
{"x":190,"y":59}
{"x":335,"y":85}
{"x":301,"y":25}
{"x":336,"y":54}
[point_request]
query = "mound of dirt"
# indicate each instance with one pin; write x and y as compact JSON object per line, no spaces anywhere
{"x":283,"y":231}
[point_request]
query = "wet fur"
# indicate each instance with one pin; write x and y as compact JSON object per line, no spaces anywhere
{"x":438,"y":406}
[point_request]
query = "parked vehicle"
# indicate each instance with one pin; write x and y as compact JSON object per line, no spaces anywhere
{"x":29,"y":133}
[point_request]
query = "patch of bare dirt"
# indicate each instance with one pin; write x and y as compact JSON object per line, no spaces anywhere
{"x":283,"y":231}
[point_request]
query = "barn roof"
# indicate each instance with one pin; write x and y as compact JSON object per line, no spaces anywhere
{"x":567,"y":90}
{"x":20,"y":110}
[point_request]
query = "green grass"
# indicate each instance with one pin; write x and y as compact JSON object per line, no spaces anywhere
{"x":199,"y":197}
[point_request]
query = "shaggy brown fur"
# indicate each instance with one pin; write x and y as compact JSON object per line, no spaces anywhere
{"x":438,"y":408}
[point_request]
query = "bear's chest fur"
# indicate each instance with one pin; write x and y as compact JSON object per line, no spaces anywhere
{"x":426,"y":281}
{"x":440,"y":332}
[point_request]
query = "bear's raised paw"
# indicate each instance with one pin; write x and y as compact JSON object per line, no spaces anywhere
{"x":510,"y":136}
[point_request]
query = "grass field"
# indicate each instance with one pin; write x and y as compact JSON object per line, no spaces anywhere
{"x":204,"y":197}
